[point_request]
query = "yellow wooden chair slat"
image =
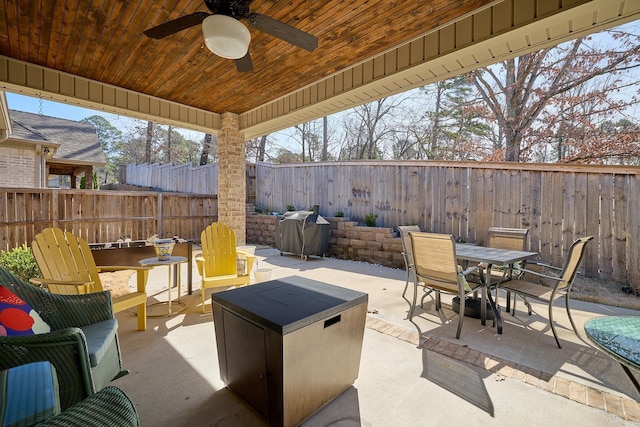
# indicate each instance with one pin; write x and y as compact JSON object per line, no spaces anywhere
{"x":68,"y":267}
{"x":218,"y":263}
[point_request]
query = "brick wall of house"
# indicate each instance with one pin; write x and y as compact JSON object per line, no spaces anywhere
{"x":347,"y":240}
{"x":17,"y":167}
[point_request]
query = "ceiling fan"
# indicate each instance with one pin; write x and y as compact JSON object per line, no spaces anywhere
{"x":226,"y":36}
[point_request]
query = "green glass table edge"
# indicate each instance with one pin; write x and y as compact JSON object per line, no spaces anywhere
{"x":619,"y":336}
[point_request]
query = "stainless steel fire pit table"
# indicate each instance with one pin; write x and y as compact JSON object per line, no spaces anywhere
{"x":289,"y":346}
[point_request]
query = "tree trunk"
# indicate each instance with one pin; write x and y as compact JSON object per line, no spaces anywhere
{"x":147,"y":147}
{"x":325,"y":139}
{"x":206,"y":147}
{"x":262,"y":147}
{"x":169,"y":145}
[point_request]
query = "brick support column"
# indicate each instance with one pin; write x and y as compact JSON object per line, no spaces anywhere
{"x":232,"y":186}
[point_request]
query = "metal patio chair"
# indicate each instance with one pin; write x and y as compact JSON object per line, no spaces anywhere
{"x":407,"y":253}
{"x":563,"y":281}
{"x":436,"y":268}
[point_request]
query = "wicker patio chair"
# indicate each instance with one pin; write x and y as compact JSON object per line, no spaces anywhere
{"x":436,"y":268}
{"x":218,"y":262}
{"x":68,"y":267}
{"x":81,"y":371}
{"x":562,"y":283}
{"x":110,"y":407}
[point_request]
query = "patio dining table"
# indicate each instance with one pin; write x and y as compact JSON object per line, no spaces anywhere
{"x":491,"y":257}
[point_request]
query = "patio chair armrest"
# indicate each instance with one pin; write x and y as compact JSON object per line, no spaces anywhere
{"x":141,"y":271}
{"x":539,"y":264}
{"x":407,"y":259}
{"x":21,"y":349}
{"x":249,"y":257}
{"x":43,"y":281}
{"x":74,"y":310}
{"x":108,"y":268}
{"x":469,"y":270}
{"x":61,"y":311}
{"x":66,"y":349}
{"x":63,"y":336}
{"x":541,"y":275}
{"x":109,"y":406}
{"x":200,"y":264}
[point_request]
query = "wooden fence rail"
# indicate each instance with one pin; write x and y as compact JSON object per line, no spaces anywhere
{"x":102,"y":216}
{"x":557,"y":203}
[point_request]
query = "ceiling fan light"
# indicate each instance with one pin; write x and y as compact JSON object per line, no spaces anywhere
{"x":225,"y":36}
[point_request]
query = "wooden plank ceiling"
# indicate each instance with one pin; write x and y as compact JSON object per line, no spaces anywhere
{"x":103,"y":41}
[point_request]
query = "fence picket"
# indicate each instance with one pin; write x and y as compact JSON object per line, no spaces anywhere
{"x":557,"y":203}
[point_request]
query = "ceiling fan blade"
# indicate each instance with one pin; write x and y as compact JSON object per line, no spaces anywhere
{"x":179,"y":24}
{"x":244,"y":64}
{"x":283,"y":31}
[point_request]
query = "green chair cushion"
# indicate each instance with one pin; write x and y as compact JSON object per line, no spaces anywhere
{"x":99,"y":337}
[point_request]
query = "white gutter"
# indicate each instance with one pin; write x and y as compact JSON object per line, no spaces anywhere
{"x":5,"y":120}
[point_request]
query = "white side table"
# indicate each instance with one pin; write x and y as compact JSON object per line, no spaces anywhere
{"x":173,"y":262}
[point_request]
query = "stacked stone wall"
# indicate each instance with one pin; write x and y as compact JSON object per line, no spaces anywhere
{"x":347,"y":240}
{"x":261,"y":229}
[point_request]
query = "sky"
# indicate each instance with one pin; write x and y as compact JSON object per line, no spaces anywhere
{"x":33,"y":105}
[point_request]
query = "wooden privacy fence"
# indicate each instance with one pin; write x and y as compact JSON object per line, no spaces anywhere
{"x":557,"y":203}
{"x":102,"y":216}
{"x":184,"y":178}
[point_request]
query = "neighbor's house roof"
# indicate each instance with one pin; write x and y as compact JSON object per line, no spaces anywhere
{"x":78,"y":142}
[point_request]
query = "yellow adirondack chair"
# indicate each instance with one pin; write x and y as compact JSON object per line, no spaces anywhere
{"x":218,"y":263}
{"x":68,"y":267}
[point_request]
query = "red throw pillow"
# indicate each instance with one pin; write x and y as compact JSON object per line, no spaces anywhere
{"x":17,"y":317}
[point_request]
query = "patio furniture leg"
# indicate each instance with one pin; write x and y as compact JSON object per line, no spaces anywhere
{"x":633,"y":379}
{"x":460,"y":315}
{"x":566,"y":303}
{"x":423,"y":297}
{"x":553,"y":328}
{"x":415,"y":297}
{"x":406,"y":284}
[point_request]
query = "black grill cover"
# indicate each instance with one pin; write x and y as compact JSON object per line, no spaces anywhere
{"x":304,"y":233}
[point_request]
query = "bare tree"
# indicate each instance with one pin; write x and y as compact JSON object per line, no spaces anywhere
{"x":519,"y":90}
{"x":303,"y":132}
{"x":149,"y":143}
{"x":207,"y":147}
{"x":256,"y":148}
{"x":368,"y":126}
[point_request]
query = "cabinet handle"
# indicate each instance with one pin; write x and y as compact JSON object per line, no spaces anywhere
{"x":332,"y":321}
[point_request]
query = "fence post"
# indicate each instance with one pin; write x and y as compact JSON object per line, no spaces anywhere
{"x":160,"y":215}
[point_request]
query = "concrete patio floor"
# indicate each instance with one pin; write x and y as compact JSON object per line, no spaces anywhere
{"x":411,"y":373}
